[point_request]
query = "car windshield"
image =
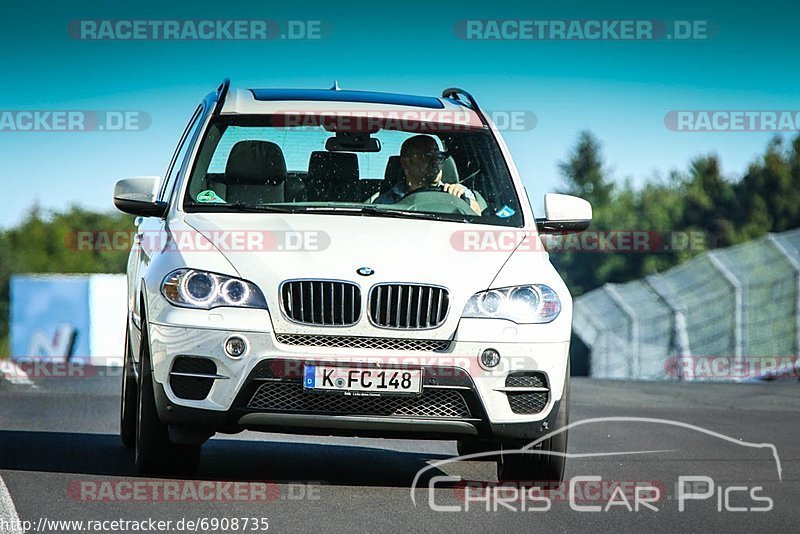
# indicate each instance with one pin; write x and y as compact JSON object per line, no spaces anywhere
{"x":265,"y":164}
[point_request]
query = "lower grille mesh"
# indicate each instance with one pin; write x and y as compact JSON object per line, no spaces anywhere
{"x":527,"y":402}
{"x":290,"y":397}
{"x":526,"y":380}
{"x":191,"y":387}
{"x":201,"y":366}
{"x":353,"y":342}
{"x":530,"y":402}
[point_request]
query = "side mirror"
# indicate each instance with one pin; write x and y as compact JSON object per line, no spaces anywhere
{"x":137,"y":196}
{"x":564,"y":214}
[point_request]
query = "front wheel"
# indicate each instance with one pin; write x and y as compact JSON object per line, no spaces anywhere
{"x":545,"y":465}
{"x":155,"y":453}
{"x":129,"y":399}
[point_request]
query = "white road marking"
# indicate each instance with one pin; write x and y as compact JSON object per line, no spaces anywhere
{"x":9,"y":519}
{"x":12,"y":372}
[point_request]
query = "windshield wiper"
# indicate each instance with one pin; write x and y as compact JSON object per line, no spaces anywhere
{"x":332,"y":209}
{"x":369,"y":211}
{"x":243,"y":207}
{"x":401,"y":214}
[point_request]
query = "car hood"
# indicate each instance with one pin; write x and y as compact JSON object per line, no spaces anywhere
{"x":268,"y":249}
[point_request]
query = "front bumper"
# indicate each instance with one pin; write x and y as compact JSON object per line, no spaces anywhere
{"x":229,"y":405}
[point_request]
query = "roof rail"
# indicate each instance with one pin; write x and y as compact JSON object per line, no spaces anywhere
{"x":455,"y":93}
{"x":222,"y":93}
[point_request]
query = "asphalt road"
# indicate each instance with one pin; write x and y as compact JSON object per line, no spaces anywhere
{"x":61,"y":460}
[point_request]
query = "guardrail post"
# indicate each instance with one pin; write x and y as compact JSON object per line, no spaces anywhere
{"x":614,"y":295}
{"x":680,"y":331}
{"x":738,"y":321}
{"x":795,"y":262}
{"x":599,"y":335}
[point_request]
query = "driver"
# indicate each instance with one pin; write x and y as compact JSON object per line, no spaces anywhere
{"x":421,"y":161}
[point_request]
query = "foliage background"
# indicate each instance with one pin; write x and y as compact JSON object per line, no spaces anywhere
{"x":44,"y":243}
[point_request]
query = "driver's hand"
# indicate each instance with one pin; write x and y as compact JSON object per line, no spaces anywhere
{"x":454,"y":189}
{"x":457,"y":190}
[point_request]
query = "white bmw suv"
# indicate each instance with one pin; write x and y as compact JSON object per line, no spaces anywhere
{"x":350,"y":263}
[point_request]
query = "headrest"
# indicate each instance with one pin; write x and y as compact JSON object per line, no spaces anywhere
{"x":255,"y":163}
{"x":329,"y":167}
{"x":332,"y":176}
{"x":394,"y":169}
{"x":449,"y":171}
{"x":393,"y":173}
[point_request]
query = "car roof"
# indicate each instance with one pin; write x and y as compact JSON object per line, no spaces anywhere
{"x":333,"y":95}
{"x":316,"y":101}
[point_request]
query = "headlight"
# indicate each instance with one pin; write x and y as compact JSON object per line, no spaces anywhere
{"x":198,"y":289}
{"x":535,"y":303}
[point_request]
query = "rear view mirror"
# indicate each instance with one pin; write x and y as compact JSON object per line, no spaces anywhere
{"x":353,"y":142}
{"x":564,"y":214}
{"x":137,"y":196}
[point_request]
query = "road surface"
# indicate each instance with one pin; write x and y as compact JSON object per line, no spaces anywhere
{"x":61,"y":460}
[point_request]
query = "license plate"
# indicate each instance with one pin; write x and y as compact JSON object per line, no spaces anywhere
{"x":362,"y":382}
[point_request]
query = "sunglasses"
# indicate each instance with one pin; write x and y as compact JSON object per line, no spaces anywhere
{"x":440,"y":155}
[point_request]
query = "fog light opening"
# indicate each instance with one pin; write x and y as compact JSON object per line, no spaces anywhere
{"x":490,"y":358}
{"x":235,"y":347}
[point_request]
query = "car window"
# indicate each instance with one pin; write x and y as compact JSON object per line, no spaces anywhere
{"x":179,"y":155}
{"x":251,"y":161}
{"x":298,"y":144}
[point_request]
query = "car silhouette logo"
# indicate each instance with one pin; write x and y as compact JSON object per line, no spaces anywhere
{"x":365,"y":271}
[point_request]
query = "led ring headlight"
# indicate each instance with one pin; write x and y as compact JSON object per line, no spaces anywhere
{"x":490,"y":302}
{"x":190,"y":288}
{"x":198,"y":287}
{"x":235,"y":291}
{"x":526,"y":295}
{"x":527,"y":304}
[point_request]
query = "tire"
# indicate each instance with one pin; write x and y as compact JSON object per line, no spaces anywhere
{"x":540,"y":469}
{"x":129,"y":399}
{"x":155,"y":453}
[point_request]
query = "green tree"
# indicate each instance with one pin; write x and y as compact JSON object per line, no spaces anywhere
{"x":769,"y":194}
{"x":583,"y":172}
{"x":584,"y":176}
{"x":699,"y":200}
{"x":709,"y":202}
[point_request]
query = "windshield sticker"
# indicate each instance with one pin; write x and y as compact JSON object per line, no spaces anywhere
{"x":505,"y":212}
{"x":209,"y":196}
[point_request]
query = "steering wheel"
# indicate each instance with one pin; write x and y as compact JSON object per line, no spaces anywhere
{"x":435,"y":200}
